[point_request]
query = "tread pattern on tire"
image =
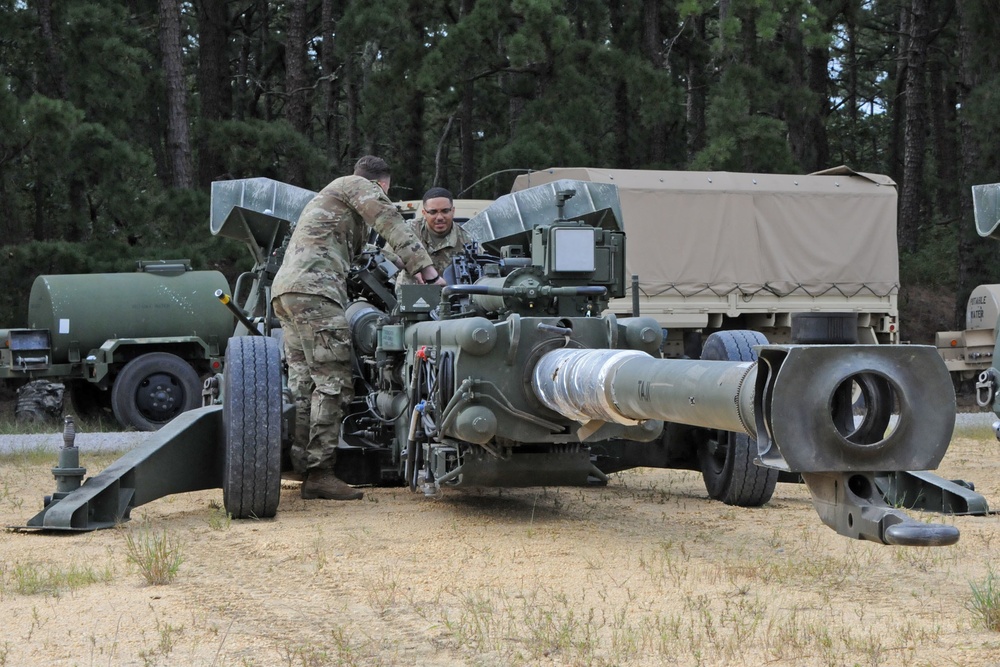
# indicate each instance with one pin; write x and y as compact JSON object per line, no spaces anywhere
{"x":252,"y":424}
{"x":741,"y":482}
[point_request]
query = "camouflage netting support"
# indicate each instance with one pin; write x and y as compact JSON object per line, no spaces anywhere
{"x":39,"y":401}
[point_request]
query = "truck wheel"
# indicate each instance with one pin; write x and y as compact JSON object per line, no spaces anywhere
{"x":154,"y":388}
{"x":251,"y":415}
{"x":39,"y":401}
{"x":87,"y":400}
{"x":727,"y":458}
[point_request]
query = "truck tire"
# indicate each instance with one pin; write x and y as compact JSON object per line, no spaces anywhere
{"x":154,"y":388}
{"x":86,"y":400}
{"x":251,"y":415}
{"x":727,"y":458}
{"x":39,"y":402}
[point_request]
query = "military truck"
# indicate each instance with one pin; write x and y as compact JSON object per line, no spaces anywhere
{"x":975,"y":350}
{"x":517,"y":374}
{"x":969,"y":352}
{"x":716,"y":251}
{"x":137,"y":342}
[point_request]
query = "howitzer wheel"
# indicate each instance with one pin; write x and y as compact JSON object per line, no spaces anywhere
{"x":154,"y":388}
{"x":251,"y":414}
{"x":727,"y":458}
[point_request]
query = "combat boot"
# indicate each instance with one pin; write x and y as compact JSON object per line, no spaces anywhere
{"x":324,"y":484}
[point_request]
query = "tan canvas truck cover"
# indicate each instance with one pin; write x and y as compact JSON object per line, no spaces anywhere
{"x":712,"y":246}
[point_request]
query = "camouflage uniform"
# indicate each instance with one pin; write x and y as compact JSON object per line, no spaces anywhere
{"x":441,"y":247}
{"x":309,"y":295}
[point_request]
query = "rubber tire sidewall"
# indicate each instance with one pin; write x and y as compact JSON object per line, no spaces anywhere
{"x":127,"y":383}
{"x":86,"y":400}
{"x":740,"y":481}
{"x":251,"y":415}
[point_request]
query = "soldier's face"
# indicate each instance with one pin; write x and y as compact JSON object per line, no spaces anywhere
{"x":440,"y":214}
{"x":384,"y":184}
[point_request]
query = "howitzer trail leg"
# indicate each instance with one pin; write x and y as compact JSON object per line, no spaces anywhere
{"x":851,"y":504}
{"x":174,"y":459}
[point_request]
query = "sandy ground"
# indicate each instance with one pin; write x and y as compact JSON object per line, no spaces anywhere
{"x":646,"y":571}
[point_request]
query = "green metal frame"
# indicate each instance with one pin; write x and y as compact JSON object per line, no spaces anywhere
{"x":185,"y":455}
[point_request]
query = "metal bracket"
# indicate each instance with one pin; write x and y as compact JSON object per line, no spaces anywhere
{"x":925,"y":491}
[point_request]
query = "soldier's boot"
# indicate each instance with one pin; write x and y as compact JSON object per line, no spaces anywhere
{"x":324,"y":484}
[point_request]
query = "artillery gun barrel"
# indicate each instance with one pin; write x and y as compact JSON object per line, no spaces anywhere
{"x":627,"y":386}
{"x":795,"y":400}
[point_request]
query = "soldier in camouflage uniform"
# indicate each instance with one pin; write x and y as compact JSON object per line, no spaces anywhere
{"x":437,"y":230}
{"x":309,"y":295}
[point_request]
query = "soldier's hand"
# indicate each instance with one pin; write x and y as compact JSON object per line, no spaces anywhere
{"x":430,"y":276}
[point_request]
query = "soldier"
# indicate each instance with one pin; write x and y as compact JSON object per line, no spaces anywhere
{"x":437,"y":230}
{"x":309,"y":295}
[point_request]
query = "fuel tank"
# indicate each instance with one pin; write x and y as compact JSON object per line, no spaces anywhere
{"x":82,"y":311}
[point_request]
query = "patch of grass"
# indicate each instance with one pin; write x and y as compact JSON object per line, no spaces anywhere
{"x":219,"y":519}
{"x":39,"y":455}
{"x":382,"y":590}
{"x":7,"y":496}
{"x":525,"y":627}
{"x":11,"y":426}
{"x":985,"y":602}
{"x":29,"y":456}
{"x":157,"y":555}
{"x":38,"y":579}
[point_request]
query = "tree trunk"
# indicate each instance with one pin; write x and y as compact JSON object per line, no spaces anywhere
{"x":943,"y":104}
{"x":652,"y":48}
{"x":622,"y":116}
{"x":898,"y":72}
{"x":178,"y":143}
{"x":38,"y":195}
{"x":329,"y":87}
{"x":465,"y":135}
{"x":915,"y":128}
{"x":466,"y":106}
{"x":413,"y":145}
{"x":352,"y":88}
{"x":850,"y":28}
{"x":53,"y":84}
{"x":296,"y":108}
{"x":213,"y":83}
{"x":696,"y":93}
{"x":941,"y":79}
{"x":800,"y":143}
{"x":819,"y":86}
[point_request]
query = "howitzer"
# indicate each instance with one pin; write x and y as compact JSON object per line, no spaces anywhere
{"x":516,"y":376}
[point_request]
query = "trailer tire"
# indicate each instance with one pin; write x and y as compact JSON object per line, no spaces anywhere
{"x":154,"y":388}
{"x":251,"y":415}
{"x":727,"y":458}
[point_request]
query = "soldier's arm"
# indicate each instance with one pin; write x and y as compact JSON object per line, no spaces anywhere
{"x":378,"y":212}
{"x":391,"y":256}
